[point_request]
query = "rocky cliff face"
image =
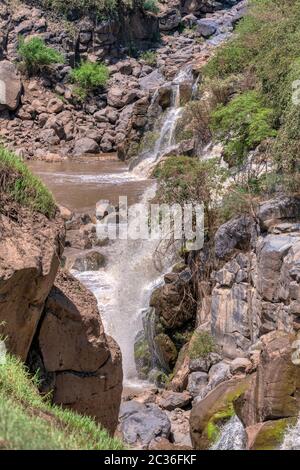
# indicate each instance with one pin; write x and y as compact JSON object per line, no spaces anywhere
{"x":80,"y":363}
{"x":30,"y":250}
{"x":243,"y":357}
{"x":51,"y":321}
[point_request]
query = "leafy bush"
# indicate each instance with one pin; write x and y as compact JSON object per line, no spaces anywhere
{"x":149,"y":57}
{"x":242,"y":124}
{"x":151,"y":5}
{"x":90,"y":76}
{"x":25,"y":188}
{"x":201,"y":344}
{"x":189,"y":180}
{"x":35,"y":55}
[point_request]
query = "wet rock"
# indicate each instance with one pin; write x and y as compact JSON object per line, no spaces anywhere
{"x":181,"y":371}
{"x":170,"y":400}
{"x":166,"y":350}
{"x":91,"y":261}
{"x":209,"y":414}
{"x":10,"y":86}
{"x":140,"y":424}
{"x":269,"y":435}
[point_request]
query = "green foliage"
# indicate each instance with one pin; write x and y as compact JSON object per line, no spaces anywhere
{"x":151,"y":5}
{"x":242,"y":124}
{"x":29,"y":421}
{"x":150,"y":57}
{"x":25,"y":188}
{"x":69,"y":8}
{"x":201,"y":344}
{"x":189,"y":180}
{"x":35,"y":55}
{"x":89,"y":76}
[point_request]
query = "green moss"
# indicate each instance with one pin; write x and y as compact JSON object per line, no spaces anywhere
{"x":272,"y":433}
{"x":213,"y":427}
{"x":25,"y":188}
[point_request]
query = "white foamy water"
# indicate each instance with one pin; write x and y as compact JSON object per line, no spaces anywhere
{"x":233,"y":436}
{"x":123,"y":289}
{"x":291,"y":439}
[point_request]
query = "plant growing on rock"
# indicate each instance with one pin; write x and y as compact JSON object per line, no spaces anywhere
{"x":201,"y":345}
{"x":242,"y":124}
{"x":89,"y":76}
{"x":150,"y":5}
{"x":21,"y":185}
{"x":149,"y":57}
{"x":35,"y":55}
{"x":188,"y":180}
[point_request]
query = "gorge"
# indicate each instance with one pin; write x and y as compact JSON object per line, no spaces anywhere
{"x":208,"y":338}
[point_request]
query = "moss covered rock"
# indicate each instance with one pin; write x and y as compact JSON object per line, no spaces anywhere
{"x":268,"y":435}
{"x":209,"y":414}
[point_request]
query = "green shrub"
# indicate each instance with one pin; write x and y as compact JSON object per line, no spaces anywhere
{"x":25,"y":188}
{"x":35,"y":55}
{"x":89,"y":76}
{"x":201,"y":344}
{"x":150,"y":5}
{"x":189,"y":180}
{"x":242,"y":124}
{"x":150,"y":57}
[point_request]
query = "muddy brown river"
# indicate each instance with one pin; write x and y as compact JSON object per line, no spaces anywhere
{"x":78,"y":185}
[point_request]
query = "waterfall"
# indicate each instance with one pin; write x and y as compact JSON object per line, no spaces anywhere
{"x":291,"y":439}
{"x":233,"y":436}
{"x":166,"y":140}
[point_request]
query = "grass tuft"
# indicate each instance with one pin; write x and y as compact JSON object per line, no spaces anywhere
{"x":17,"y":181}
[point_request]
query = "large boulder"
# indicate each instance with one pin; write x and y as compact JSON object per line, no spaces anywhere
{"x":274,"y":389}
{"x":206,"y":27}
{"x":169,"y":20}
{"x":85,"y":145}
{"x":85,"y":363}
{"x":30,"y":251}
{"x":209,"y":414}
{"x":234,"y":235}
{"x":277,"y":211}
{"x":140,"y":423}
{"x":10,"y":86}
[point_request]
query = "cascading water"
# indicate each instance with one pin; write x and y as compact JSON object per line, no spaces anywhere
{"x":291,"y":439}
{"x":233,"y":436}
{"x":166,"y":139}
{"x":124,"y":287}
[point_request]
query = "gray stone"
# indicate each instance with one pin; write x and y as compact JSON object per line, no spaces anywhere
{"x":140,"y":423}
{"x":218,"y":373}
{"x":206,"y":27}
{"x":85,"y":145}
{"x":233,"y":235}
{"x":10,"y":86}
{"x":197,"y":383}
